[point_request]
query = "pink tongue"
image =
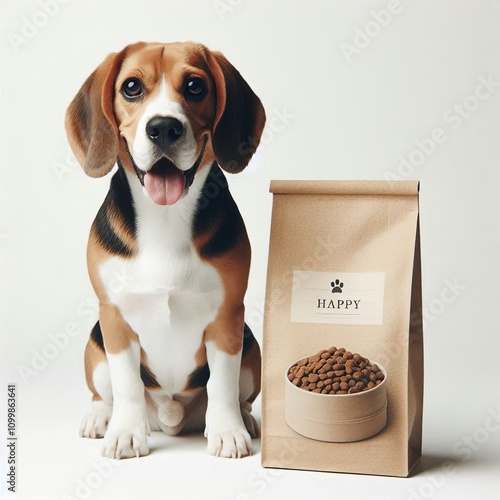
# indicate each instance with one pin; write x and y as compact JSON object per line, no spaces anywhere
{"x":164,"y":183}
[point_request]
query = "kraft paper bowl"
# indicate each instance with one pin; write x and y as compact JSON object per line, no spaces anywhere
{"x":338,"y":418}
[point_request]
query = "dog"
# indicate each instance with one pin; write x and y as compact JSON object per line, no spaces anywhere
{"x":168,"y":253}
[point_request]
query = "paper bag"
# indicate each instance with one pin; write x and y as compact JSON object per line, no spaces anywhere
{"x":344,"y":275}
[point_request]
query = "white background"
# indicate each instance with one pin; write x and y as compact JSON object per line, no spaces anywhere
{"x":346,"y":117}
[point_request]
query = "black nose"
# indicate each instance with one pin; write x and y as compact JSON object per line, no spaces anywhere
{"x":164,"y":131}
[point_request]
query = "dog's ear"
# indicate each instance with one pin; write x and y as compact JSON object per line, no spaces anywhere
{"x":239,"y":118}
{"x":90,"y":122}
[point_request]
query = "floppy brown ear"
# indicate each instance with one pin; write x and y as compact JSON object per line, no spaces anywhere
{"x":239,"y":119}
{"x":90,"y":123}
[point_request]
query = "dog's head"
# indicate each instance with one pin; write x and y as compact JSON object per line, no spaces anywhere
{"x":164,"y":111}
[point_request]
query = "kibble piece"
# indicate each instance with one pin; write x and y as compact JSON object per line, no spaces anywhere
{"x":313,"y":377}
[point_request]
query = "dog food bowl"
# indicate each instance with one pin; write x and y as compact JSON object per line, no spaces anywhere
{"x":337,"y":418}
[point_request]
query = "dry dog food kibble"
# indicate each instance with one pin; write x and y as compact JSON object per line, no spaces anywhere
{"x":335,"y":371}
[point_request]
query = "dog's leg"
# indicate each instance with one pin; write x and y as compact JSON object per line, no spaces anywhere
{"x":225,"y":430}
{"x":95,"y":423}
{"x":128,"y":429}
{"x":249,"y":380}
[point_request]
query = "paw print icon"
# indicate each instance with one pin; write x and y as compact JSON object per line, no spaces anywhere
{"x":337,"y":286}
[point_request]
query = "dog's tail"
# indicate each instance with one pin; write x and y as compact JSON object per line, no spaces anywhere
{"x":171,"y":412}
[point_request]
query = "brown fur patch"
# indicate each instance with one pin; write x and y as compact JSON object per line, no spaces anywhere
{"x":93,"y":356}
{"x":233,"y":267}
{"x":116,"y":332}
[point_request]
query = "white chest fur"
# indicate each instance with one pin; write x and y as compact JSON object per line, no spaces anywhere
{"x":165,"y":293}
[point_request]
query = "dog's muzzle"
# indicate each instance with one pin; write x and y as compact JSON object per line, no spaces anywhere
{"x":164,"y":182}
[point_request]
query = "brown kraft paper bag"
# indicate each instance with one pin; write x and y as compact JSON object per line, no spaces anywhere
{"x":342,"y":344}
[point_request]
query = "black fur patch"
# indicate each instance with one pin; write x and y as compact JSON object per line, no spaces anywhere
{"x":199,"y":377}
{"x":217,"y":215}
{"x":248,"y":339}
{"x":96,"y":336}
{"x":148,"y":378}
{"x":118,"y":202}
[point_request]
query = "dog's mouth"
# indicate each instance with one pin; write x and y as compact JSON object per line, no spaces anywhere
{"x":165,"y":183}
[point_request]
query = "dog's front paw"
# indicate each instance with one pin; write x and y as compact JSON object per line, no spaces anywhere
{"x":95,"y":423}
{"x":231,"y":443}
{"x":126,"y":442}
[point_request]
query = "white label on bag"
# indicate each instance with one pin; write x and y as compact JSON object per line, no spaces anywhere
{"x":337,"y":298}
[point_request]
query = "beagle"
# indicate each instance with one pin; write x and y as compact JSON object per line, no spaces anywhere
{"x":168,"y":253}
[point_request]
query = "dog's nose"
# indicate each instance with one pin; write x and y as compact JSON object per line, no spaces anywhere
{"x":164,"y":131}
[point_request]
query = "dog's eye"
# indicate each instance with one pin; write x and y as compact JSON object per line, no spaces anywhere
{"x":194,"y":89}
{"x":132,"y":88}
